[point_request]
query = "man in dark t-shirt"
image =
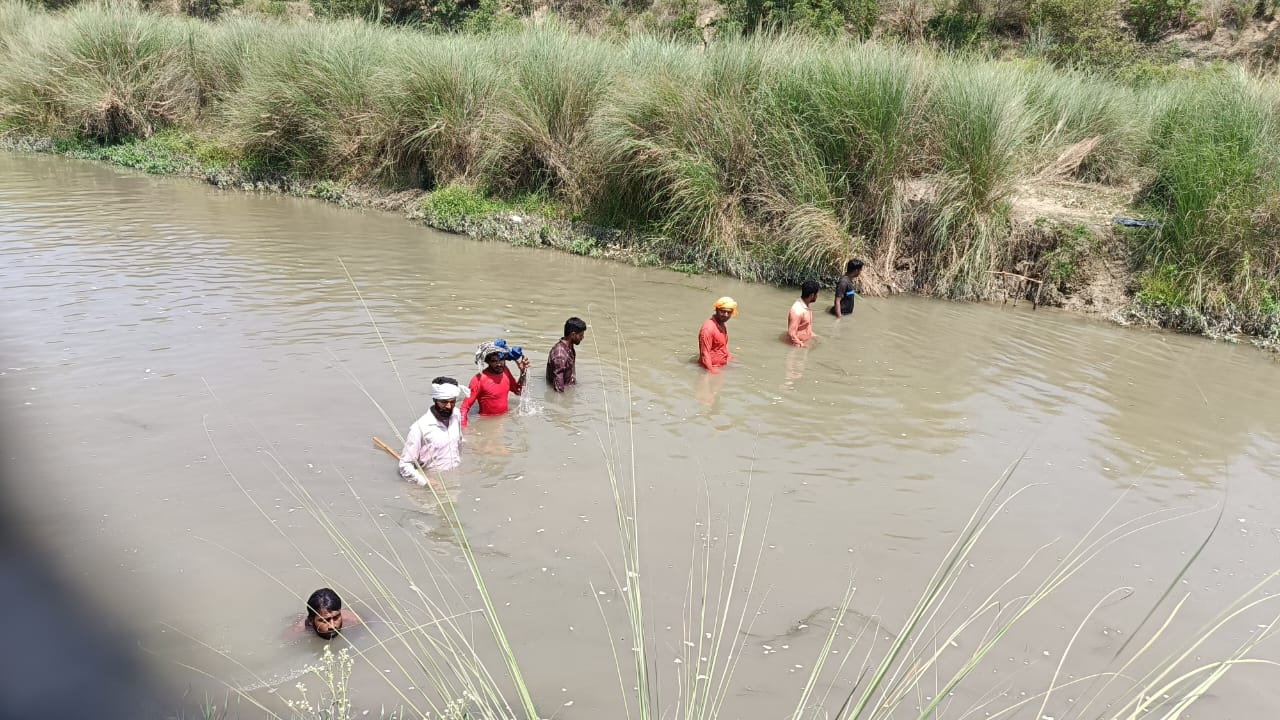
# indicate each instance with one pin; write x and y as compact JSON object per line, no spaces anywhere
{"x":845,"y":291}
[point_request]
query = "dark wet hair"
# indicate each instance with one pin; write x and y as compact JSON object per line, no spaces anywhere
{"x":322,"y":600}
{"x":574,"y":325}
{"x":809,"y":287}
{"x":442,"y":380}
{"x":853,"y":266}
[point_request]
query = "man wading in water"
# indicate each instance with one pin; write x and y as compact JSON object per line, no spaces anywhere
{"x":844,"y":290}
{"x":325,"y":616}
{"x":434,"y":443}
{"x":713,"y":338}
{"x":800,"y":319}
{"x":491,"y":386}
{"x":562,"y":361}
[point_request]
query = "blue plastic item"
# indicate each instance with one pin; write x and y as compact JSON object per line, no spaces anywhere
{"x":509,"y":353}
{"x":1131,"y":222}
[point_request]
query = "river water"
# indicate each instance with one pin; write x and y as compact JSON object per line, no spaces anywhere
{"x":173,"y":353}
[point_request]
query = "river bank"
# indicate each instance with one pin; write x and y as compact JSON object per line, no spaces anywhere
{"x":1103,"y":282}
{"x":767,"y":159}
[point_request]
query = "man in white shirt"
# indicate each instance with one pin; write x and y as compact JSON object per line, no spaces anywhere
{"x":434,"y":443}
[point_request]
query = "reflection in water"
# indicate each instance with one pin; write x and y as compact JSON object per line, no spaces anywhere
{"x":796,"y":357}
{"x":126,"y":299}
{"x":709,"y":385}
{"x":495,"y":436}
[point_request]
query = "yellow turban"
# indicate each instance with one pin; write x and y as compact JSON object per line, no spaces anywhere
{"x":728,"y":303}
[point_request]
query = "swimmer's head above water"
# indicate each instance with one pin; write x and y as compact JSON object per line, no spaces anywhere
{"x":324,"y":613}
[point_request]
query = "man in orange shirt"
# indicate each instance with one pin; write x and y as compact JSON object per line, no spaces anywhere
{"x":800,"y":319}
{"x":713,"y":338}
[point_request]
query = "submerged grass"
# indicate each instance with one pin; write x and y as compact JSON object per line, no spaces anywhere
{"x":772,"y":157}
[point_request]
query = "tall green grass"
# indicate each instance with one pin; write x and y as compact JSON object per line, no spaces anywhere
{"x":681,"y":148}
{"x":551,"y":85}
{"x":15,"y":20}
{"x":1070,"y":108}
{"x":102,"y":72}
{"x":773,"y":157}
{"x":848,"y":140}
{"x":222,"y":59}
{"x":434,"y":112}
{"x":1217,"y":185}
{"x":982,"y":127}
{"x":309,"y":104}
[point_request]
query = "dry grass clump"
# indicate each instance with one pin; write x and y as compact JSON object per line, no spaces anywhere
{"x":434,"y":113}
{"x":101,"y":72}
{"x":551,"y":86}
{"x":308,"y":106}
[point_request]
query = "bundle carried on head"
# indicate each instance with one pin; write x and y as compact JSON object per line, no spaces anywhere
{"x":498,"y":346}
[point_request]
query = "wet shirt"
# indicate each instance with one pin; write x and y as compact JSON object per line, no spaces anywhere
{"x":434,"y":445}
{"x":799,"y":324}
{"x":561,"y":365}
{"x":845,"y":294}
{"x":713,"y":346}
{"x":491,"y":392}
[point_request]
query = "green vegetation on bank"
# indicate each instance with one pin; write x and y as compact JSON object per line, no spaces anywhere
{"x":770,"y":157}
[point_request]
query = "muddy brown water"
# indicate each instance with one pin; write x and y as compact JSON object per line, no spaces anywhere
{"x":162,"y":340}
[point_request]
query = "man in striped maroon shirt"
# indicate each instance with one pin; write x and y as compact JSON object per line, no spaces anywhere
{"x":563,"y":358}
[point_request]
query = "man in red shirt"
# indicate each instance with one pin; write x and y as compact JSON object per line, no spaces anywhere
{"x":713,"y":338}
{"x":491,"y":386}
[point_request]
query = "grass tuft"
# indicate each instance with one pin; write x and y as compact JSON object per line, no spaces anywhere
{"x":102,"y":72}
{"x":981,"y":126}
{"x":551,"y":86}
{"x":307,"y":106}
{"x":1217,"y":187}
{"x":433,"y":118}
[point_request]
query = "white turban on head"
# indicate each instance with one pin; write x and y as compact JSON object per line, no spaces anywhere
{"x":448,"y":391}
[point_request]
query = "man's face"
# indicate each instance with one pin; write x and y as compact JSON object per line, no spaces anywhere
{"x":495,"y":362}
{"x":723,"y":314}
{"x":576,"y":338}
{"x":327,"y":623}
{"x":444,"y":408}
